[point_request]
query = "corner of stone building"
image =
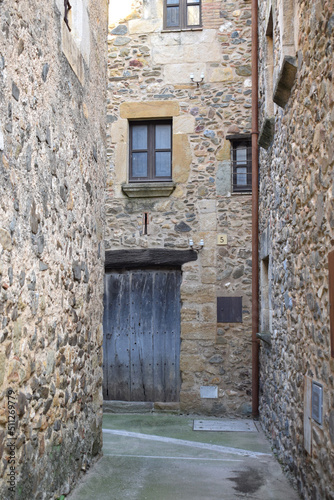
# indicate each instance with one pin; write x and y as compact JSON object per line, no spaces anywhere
{"x":296,"y":371}
{"x":52,"y":161}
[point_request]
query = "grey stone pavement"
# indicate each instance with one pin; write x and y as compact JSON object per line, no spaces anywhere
{"x":161,"y":457}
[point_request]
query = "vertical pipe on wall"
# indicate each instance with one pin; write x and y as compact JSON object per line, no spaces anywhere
{"x":255,"y":213}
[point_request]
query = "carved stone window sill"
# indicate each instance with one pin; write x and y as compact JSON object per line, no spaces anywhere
{"x":148,"y":189}
{"x":267,"y":132}
{"x":265,"y":337}
{"x":285,"y":81}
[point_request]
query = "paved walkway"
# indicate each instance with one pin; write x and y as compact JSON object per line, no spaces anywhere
{"x":161,"y":457}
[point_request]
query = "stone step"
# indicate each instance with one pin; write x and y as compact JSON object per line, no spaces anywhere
{"x":140,"y":407}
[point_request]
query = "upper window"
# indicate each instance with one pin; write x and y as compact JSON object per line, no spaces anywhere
{"x":151,"y":150}
{"x":182,"y":14}
{"x":242,"y":165}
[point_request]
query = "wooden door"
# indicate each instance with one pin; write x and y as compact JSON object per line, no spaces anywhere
{"x":141,"y":346}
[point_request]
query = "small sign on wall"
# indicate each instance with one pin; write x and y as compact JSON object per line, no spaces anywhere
{"x":222,"y":239}
{"x":209,"y":392}
{"x":229,"y":309}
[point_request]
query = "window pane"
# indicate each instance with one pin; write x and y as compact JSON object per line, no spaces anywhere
{"x":139,"y":164}
{"x":162,"y":137}
{"x":193,"y":15}
{"x":241,"y":176}
{"x":192,"y":1}
{"x":163,"y":165}
{"x":139,"y":136}
{"x":172,"y":2}
{"x":241,"y":155}
{"x":173,"y":16}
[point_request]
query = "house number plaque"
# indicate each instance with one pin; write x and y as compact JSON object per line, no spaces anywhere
{"x":222,"y":239}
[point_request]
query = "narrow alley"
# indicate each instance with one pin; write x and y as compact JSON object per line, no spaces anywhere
{"x":162,"y":457}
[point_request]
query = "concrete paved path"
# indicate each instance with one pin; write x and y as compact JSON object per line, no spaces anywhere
{"x":160,"y":457}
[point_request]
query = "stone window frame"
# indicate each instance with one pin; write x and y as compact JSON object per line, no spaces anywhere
{"x":235,"y":141}
{"x":151,"y":149}
{"x":267,"y":131}
{"x":270,"y":62}
{"x":75,"y":35}
{"x":287,"y":69}
{"x":182,"y":5}
{"x":152,"y":110}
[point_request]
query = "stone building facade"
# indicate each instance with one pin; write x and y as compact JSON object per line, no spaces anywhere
{"x":296,"y":237}
{"x":150,"y":64}
{"x":52,"y":161}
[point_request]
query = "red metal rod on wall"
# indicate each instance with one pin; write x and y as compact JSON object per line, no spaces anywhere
{"x":255,"y":214}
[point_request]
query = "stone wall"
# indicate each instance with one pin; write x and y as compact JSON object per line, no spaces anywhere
{"x":52,"y":160}
{"x":296,"y":225}
{"x":149,"y":77}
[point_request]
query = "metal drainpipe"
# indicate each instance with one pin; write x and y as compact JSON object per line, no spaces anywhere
{"x":255,"y":214}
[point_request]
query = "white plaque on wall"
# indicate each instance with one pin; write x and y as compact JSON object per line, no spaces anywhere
{"x":209,"y":391}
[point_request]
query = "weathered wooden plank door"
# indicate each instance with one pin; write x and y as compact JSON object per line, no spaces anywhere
{"x":141,"y":347}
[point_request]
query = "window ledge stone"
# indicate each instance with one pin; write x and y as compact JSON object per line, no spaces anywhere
{"x":285,"y":81}
{"x":148,"y":189}
{"x":267,"y":132}
{"x":177,"y":30}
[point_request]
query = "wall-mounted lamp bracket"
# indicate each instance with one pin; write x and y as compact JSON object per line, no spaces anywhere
{"x":191,"y":245}
{"x":197,"y":81}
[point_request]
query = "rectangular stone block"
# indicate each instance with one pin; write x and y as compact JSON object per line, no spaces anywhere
{"x":208,"y":221}
{"x":199,"y":331}
{"x":184,"y":124}
{"x":149,"y":109}
{"x":73,"y":54}
{"x":208,"y":275}
{"x":198,"y":295}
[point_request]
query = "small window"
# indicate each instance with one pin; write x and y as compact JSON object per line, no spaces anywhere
{"x":182,"y":14}
{"x":151,"y":151}
{"x":241,"y":166}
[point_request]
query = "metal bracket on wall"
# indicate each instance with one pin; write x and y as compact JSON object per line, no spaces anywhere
{"x":68,"y":7}
{"x":265,"y":337}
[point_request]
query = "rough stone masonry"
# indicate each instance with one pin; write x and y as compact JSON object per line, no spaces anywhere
{"x":149,"y":78}
{"x":52,"y":157}
{"x":296,"y":226}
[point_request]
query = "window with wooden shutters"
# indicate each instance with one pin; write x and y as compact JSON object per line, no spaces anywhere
{"x":150,"y":151}
{"x":331,"y":298}
{"x":182,"y":14}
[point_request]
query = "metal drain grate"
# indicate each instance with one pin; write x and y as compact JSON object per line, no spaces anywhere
{"x":225,"y":425}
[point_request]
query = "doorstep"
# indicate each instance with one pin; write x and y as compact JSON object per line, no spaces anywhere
{"x":140,"y":407}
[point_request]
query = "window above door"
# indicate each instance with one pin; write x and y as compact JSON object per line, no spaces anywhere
{"x":150,"y":151}
{"x":182,"y":14}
